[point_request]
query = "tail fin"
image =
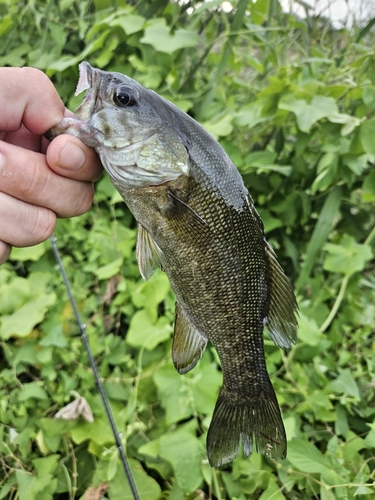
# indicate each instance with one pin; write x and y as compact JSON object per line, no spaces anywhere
{"x":236,"y":420}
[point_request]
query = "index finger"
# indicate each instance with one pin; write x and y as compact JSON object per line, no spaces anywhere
{"x":28,"y":96}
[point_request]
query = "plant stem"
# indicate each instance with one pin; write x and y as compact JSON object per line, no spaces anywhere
{"x":216,"y":484}
{"x":342,"y":291}
{"x":370,"y":237}
{"x":336,"y":305}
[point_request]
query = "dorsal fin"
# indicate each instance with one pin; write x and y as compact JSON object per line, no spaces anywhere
{"x":148,"y":253}
{"x":188,"y":344}
{"x":281,"y":320}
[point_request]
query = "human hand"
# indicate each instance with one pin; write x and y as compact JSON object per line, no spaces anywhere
{"x":38,"y":184}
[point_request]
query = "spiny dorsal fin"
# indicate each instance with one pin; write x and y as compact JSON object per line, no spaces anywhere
{"x":148,"y":253}
{"x":188,"y":344}
{"x":281,"y":320}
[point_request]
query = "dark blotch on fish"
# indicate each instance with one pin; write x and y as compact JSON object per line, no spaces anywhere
{"x":198,"y":222}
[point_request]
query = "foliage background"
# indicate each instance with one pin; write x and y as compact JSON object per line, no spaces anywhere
{"x":292,"y":101}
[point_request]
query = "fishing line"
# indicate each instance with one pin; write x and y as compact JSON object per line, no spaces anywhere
{"x":82,"y":328}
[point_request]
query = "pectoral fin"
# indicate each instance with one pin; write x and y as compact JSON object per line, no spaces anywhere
{"x":148,"y":253}
{"x":281,"y":320}
{"x":183,"y":214}
{"x":188,"y":344}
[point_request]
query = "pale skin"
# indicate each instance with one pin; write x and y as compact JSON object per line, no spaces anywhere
{"x":38,"y":183}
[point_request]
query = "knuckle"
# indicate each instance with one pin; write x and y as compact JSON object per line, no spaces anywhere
{"x":33,"y":184}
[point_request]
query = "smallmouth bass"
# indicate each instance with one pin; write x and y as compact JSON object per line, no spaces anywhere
{"x":197,"y":221}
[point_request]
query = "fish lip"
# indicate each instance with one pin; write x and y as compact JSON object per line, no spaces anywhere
{"x":86,"y":77}
{"x":88,"y":80}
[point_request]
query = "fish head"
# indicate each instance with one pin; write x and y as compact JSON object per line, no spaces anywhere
{"x":129,"y":127}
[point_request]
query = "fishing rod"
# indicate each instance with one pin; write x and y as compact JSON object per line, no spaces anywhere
{"x":85,"y":341}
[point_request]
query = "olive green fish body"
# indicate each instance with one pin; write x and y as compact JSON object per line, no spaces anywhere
{"x":215,"y":258}
{"x":198,"y":223}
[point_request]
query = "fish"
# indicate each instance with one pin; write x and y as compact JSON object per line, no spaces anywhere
{"x":198,"y":223}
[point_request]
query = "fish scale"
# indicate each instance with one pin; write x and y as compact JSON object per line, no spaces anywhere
{"x":199,"y":224}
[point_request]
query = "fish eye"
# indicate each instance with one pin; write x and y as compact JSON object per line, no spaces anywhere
{"x":125,"y":96}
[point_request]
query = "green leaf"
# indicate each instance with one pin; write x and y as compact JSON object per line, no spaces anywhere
{"x":345,"y":384}
{"x":55,"y":337}
{"x":308,"y":331}
{"x":273,"y":491}
{"x":327,"y":172}
{"x":368,"y":188}
{"x":367,"y":134}
{"x":368,"y":96}
{"x":252,"y":114}
{"x":109,"y":270}
{"x":6,"y":24}
{"x":113,"y":465}
{"x":143,"y":332}
{"x":205,"y":385}
{"x":364,"y":490}
{"x":27,"y":354}
{"x":185,"y":452}
{"x":174,"y":394}
{"x":14,"y":295}
{"x":46,"y":465}
{"x":326,"y":494}
{"x":348,"y":257}
{"x":220,"y":128}
{"x":147,"y":487}
{"x":98,"y":431}
{"x":25,"y":485}
{"x":331,"y":477}
{"x":259,"y":11}
{"x":16,"y":57}
{"x":151,"y":293}
{"x":22,"y":322}
{"x":158,"y":35}
{"x":129,"y":23}
{"x":264,"y":160}
{"x":349,"y":122}
{"x":308,"y":114}
{"x":321,"y":231}
{"x":306,"y":457}
{"x":32,"y":390}
{"x":269,"y":222}
{"x":8,"y":485}
{"x":358,"y":164}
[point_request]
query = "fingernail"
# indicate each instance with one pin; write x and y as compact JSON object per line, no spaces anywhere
{"x":71,"y":157}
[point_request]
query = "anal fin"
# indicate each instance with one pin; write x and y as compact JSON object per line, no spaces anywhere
{"x":188,"y":343}
{"x":281,"y":319}
{"x":148,"y":253}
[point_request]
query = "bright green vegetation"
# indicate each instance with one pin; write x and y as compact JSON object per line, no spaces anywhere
{"x":293,"y":103}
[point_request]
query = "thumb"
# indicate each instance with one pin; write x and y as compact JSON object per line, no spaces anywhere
{"x":69,"y":157}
